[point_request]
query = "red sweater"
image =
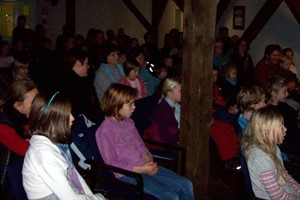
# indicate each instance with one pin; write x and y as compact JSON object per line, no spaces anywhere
{"x":10,"y":139}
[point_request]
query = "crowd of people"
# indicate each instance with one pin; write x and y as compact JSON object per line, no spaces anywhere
{"x":133,"y":91}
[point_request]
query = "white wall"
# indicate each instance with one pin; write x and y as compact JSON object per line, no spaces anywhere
{"x":282,"y":28}
{"x":109,"y":14}
{"x":55,"y":18}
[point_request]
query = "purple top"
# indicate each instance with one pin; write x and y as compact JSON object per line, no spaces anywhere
{"x":120,"y":144}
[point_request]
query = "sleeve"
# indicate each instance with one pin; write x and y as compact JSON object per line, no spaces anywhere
{"x":10,"y":139}
{"x":292,"y":182}
{"x":53,"y":171}
{"x":101,"y":83}
{"x":273,"y":188}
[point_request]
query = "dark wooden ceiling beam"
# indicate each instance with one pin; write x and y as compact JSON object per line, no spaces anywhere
{"x":222,"y":5}
{"x":138,"y":14}
{"x":294,"y":6}
{"x":179,"y":3}
{"x":158,"y":7}
{"x":261,"y":18}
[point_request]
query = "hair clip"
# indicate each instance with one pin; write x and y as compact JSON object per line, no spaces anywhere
{"x":50,"y":101}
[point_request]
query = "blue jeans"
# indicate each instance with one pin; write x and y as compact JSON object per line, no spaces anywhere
{"x":165,"y":185}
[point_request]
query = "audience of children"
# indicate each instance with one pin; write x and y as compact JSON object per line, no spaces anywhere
{"x":269,"y":178}
{"x":121,"y":145}
{"x":131,"y":69}
{"x":104,"y":56}
{"x":48,"y":170}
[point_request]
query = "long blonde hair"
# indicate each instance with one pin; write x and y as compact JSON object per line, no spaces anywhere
{"x":262,"y":132}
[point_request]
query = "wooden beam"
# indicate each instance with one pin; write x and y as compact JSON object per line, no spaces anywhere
{"x":138,"y":14}
{"x":222,"y":5}
{"x":261,"y":18}
{"x":294,"y":6}
{"x":179,"y":3}
{"x":70,"y":14}
{"x":158,"y":7}
{"x":196,"y":110}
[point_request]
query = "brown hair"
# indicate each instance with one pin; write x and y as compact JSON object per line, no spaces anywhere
{"x":17,"y":91}
{"x":250,"y":94}
{"x":115,"y":97}
{"x":49,"y":116}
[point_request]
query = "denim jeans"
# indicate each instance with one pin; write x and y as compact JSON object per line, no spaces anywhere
{"x":165,"y":185}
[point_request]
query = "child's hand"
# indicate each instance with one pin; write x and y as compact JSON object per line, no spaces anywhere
{"x":154,"y":169}
{"x":233,"y":109}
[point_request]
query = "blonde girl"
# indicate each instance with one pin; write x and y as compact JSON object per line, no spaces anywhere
{"x":269,"y":177}
{"x":165,"y":125}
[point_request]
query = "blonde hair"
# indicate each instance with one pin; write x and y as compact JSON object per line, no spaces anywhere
{"x":284,"y":59}
{"x":274,"y":84}
{"x":169,"y":85}
{"x":263,"y":132}
{"x":250,"y":94}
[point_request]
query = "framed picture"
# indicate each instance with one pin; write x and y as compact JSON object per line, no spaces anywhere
{"x":239,"y":17}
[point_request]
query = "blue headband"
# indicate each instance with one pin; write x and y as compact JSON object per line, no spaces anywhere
{"x":50,"y":101}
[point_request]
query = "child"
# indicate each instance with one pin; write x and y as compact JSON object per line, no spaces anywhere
{"x":277,"y":91}
{"x":20,"y":69}
{"x":166,"y":115}
{"x":6,"y":60}
{"x":229,"y":84}
{"x":131,"y":69}
{"x":121,"y":145}
{"x":290,"y":53}
{"x":269,"y":177}
{"x":48,"y":170}
{"x":249,"y":99}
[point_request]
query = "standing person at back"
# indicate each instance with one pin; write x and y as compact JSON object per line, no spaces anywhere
{"x":268,"y":65}
{"x":121,"y":145}
{"x":20,"y":31}
{"x":269,"y":177}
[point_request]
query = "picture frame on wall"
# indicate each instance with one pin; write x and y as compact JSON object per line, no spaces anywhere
{"x":239,"y":17}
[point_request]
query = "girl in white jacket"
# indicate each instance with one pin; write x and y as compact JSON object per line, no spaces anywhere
{"x":48,"y":170}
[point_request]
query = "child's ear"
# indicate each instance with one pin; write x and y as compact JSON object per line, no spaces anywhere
{"x":18,"y":106}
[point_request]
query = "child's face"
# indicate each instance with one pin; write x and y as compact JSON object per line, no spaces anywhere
{"x":215,"y":75}
{"x":122,"y":59}
{"x":23,"y":72}
{"x":163,"y":74}
{"x":175,"y":94}
{"x":168,"y":62}
{"x":232,"y":74}
{"x":279,"y":133}
{"x":71,"y":119}
{"x":5,"y":50}
{"x":289,"y":54}
{"x":133,"y":74}
{"x":281,"y":95}
{"x":259,"y":105}
{"x":127,"y":109}
{"x":274,"y":57}
{"x":141,"y":59}
{"x":286,"y":65}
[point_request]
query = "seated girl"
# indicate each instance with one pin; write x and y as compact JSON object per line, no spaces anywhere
{"x":269,"y":177}
{"x":48,"y":170}
{"x":121,"y":145}
{"x":166,"y":115}
{"x":131,"y":69}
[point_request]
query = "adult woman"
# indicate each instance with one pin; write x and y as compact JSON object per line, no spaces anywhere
{"x":268,"y":65}
{"x":109,"y":72}
{"x":13,"y":121}
{"x":48,"y":170}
